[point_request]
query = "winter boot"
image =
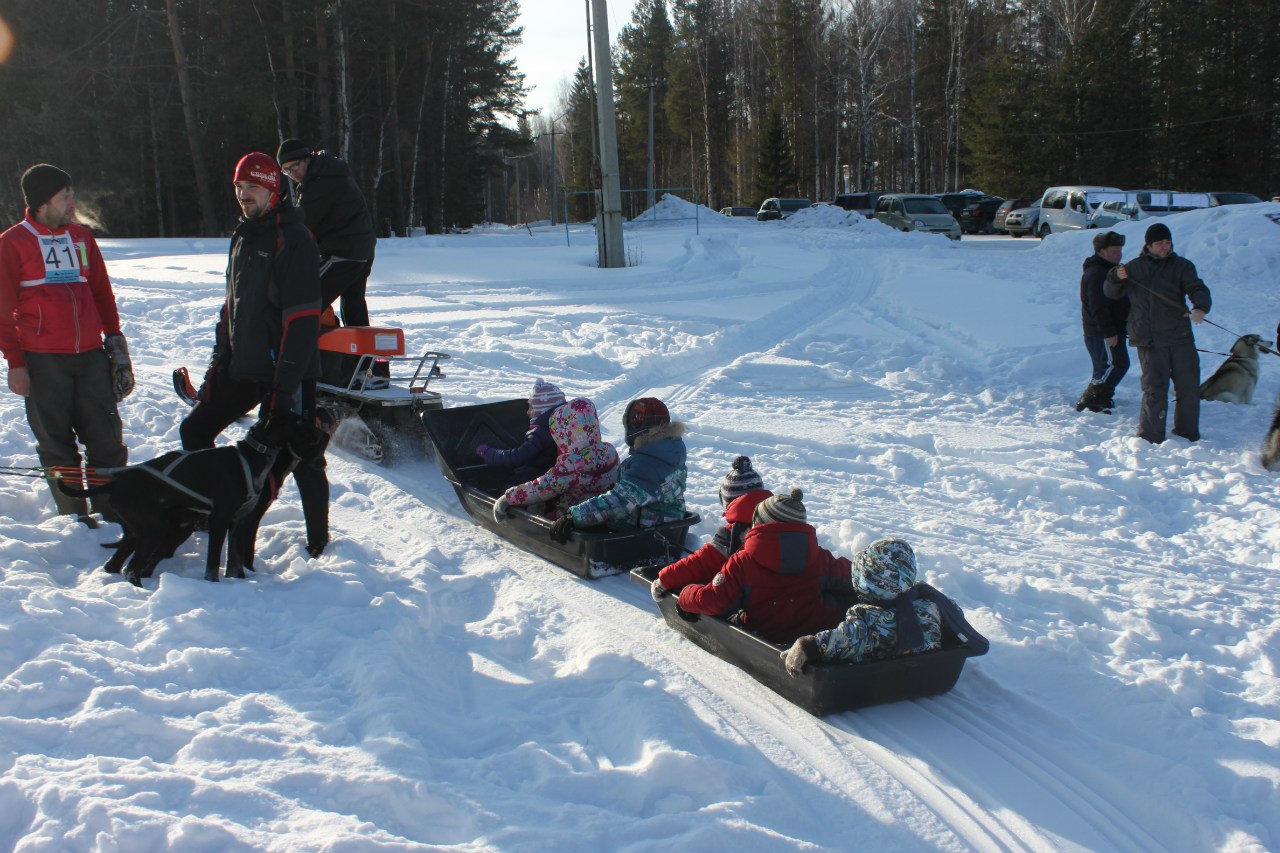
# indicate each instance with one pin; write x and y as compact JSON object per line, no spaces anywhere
{"x":1089,"y":399}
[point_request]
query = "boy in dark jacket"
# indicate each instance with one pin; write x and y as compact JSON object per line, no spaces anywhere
{"x":538,"y":451}
{"x":1104,"y":322}
{"x":777,"y":579}
{"x":1159,"y":284}
{"x":650,"y":487}
{"x":741,"y":491}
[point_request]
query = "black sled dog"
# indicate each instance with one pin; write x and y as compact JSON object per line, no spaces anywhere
{"x":159,"y":501}
{"x":1235,"y":378}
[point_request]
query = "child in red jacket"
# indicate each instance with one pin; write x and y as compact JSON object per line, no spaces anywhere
{"x":741,"y":491}
{"x":776,"y":580}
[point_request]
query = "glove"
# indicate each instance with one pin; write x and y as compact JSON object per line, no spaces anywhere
{"x":723,"y":540}
{"x":501,"y":507}
{"x":685,"y":614}
{"x":561,"y":529}
{"x":657,"y":590}
{"x":121,"y":366}
{"x":481,"y":450}
{"x":803,"y":652}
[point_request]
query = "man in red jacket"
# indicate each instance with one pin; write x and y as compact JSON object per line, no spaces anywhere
{"x":777,"y":579}
{"x":56,"y":308}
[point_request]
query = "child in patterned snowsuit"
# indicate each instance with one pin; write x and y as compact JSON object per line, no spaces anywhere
{"x":650,"y":487}
{"x":894,"y":615}
{"x":741,"y":491}
{"x":538,"y":451}
{"x":585,"y":466}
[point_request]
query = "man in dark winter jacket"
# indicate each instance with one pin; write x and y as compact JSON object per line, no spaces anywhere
{"x":1104,"y":324}
{"x":1159,"y":283}
{"x":265,"y":352}
{"x":340,"y":222}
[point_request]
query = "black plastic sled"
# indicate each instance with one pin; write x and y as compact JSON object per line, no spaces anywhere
{"x":823,"y":688}
{"x":456,"y":432}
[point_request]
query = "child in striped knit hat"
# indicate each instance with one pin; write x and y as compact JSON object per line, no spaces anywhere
{"x":741,"y":491}
{"x":538,"y":451}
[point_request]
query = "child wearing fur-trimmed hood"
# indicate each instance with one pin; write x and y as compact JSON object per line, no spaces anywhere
{"x":650,"y":487}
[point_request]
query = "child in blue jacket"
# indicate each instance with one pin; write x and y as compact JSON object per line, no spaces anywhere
{"x":650,"y":487}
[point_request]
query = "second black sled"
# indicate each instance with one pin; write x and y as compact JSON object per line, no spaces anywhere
{"x":456,"y":432}
{"x":823,"y":688}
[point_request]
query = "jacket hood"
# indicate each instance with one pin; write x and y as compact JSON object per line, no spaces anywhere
{"x":324,"y":165}
{"x":741,"y":508}
{"x":575,"y":426}
{"x":653,"y":435}
{"x":785,"y":547}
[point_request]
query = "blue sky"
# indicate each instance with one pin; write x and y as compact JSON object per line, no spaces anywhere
{"x":555,"y":38}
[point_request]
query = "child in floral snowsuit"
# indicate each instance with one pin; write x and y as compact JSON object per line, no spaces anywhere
{"x":585,"y":465}
{"x":650,"y":487}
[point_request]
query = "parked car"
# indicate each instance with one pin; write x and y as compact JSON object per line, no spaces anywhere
{"x":957,"y":202}
{"x":1216,"y":199}
{"x":864,"y":203}
{"x":1068,"y":208}
{"x":912,"y":212}
{"x":979,"y":217}
{"x":738,"y":211}
{"x":1024,"y":220}
{"x":1006,"y":207}
{"x":781,"y":208}
{"x":1135,"y":205}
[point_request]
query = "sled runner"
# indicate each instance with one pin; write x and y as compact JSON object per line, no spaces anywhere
{"x":824,"y":688}
{"x":456,"y":432}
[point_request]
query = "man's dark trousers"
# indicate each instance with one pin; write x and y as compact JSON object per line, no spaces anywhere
{"x":72,"y":397}
{"x":1178,"y":361}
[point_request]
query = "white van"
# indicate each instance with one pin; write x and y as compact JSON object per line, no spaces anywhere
{"x":1136,"y":205}
{"x":1068,"y":208}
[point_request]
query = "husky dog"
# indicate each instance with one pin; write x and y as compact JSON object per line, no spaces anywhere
{"x":1235,"y":379}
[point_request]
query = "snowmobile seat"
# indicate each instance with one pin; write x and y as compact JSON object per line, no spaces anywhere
{"x":824,"y":688}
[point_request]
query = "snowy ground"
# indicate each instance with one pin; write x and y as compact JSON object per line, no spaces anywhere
{"x":426,"y":686}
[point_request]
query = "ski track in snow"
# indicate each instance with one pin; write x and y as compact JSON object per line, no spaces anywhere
{"x":506,"y":690}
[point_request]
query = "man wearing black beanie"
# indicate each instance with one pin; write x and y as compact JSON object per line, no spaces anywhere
{"x":338,"y":218}
{"x":60,"y":334}
{"x":1159,"y":284}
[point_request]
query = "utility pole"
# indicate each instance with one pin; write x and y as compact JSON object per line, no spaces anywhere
{"x":553,"y":133}
{"x":609,"y":219}
{"x":651,"y":83}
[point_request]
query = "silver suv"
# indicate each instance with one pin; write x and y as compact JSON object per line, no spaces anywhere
{"x":913,"y":212}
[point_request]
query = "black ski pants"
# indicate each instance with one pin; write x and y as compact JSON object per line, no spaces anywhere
{"x":346,"y":278}
{"x":226,"y":399}
{"x":1181,"y":363}
{"x":72,"y":398}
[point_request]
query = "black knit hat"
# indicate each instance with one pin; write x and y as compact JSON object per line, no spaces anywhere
{"x":292,"y":149}
{"x":1156,"y":233}
{"x":780,"y":508}
{"x":742,"y":478}
{"x":1106,"y":240}
{"x":41,"y":183}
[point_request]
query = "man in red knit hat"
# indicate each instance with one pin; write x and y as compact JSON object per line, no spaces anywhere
{"x":56,"y":309}
{"x":265,"y":351}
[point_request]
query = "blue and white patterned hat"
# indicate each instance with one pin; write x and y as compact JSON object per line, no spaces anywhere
{"x":884,"y":569}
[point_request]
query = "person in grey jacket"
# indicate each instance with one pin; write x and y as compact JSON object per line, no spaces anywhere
{"x":1159,"y":284}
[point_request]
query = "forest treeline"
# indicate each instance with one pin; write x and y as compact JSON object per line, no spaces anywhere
{"x":149,"y":103}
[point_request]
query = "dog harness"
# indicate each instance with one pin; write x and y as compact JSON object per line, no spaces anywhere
{"x":252,"y":485}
